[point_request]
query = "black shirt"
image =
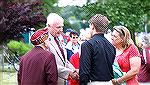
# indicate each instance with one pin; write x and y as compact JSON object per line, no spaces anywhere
{"x":97,"y":57}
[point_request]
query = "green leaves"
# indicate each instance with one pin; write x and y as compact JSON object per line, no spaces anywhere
{"x":19,"y":47}
{"x":48,"y":6}
{"x":18,"y":18}
{"x":121,"y":12}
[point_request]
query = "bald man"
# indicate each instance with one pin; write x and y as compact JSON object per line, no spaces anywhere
{"x":55,"y":25}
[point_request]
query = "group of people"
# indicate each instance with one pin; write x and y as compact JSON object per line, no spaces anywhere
{"x":48,"y":63}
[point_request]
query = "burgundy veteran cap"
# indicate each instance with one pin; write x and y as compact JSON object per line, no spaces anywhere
{"x":39,"y":36}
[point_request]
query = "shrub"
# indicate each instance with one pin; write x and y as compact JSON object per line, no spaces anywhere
{"x":18,"y":46}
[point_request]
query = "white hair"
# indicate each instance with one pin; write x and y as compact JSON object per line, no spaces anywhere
{"x":53,"y":17}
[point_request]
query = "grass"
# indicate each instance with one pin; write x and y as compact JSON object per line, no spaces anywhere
{"x":8,"y":76}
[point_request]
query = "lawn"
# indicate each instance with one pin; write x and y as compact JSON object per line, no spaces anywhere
{"x":8,"y":76}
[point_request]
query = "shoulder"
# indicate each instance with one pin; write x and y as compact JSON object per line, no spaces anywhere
{"x":40,"y":52}
{"x":87,"y":43}
{"x":132,"y":47}
{"x":133,"y":51}
{"x":69,"y":44}
{"x":47,"y":55}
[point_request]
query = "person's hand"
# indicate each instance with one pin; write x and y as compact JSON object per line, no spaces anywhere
{"x":115,"y":82}
{"x":74,"y":75}
{"x":77,"y":70}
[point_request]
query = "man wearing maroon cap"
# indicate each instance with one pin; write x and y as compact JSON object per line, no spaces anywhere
{"x":55,"y":25}
{"x":38,"y":66}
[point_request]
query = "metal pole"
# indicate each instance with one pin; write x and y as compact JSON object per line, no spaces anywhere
{"x":3,"y":58}
{"x":145,"y":26}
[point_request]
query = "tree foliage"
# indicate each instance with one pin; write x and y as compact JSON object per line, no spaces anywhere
{"x":72,"y":15}
{"x":50,"y":6}
{"x":17,"y":18}
{"x":19,"y":47}
{"x":129,"y":13}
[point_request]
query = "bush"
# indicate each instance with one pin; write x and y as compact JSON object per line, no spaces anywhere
{"x":18,"y":46}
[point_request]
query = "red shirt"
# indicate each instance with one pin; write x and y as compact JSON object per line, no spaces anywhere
{"x":74,"y":60}
{"x":67,"y":38}
{"x":124,"y":62}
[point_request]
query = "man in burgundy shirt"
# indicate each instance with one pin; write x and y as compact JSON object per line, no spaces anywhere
{"x":38,"y":66}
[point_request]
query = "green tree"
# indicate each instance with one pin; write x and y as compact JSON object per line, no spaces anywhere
{"x":72,"y":15}
{"x":50,"y":6}
{"x":129,"y":13}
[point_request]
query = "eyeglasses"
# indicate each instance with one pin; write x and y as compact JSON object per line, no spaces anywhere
{"x":122,"y":32}
{"x":74,"y":37}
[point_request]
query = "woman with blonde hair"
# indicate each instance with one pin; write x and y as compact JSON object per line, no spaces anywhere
{"x":127,"y":56}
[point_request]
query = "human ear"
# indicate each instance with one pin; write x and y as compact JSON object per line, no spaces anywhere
{"x":92,"y":26}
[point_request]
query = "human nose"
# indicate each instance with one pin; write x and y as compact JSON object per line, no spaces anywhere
{"x":112,"y":38}
{"x":61,"y":28}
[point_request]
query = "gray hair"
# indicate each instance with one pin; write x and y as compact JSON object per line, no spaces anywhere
{"x":146,"y":41}
{"x":52,"y":18}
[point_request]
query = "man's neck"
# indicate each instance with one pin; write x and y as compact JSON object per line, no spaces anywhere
{"x":44,"y":47}
{"x":94,"y":33}
{"x":74,"y":43}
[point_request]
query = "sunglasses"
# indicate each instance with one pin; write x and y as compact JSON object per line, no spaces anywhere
{"x":74,"y":37}
{"x":122,"y":32}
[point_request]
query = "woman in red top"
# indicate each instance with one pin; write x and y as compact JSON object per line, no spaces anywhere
{"x":127,"y":56}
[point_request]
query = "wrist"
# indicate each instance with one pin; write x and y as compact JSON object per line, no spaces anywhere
{"x":119,"y":80}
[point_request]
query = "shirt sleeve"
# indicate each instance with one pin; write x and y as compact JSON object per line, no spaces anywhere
{"x":51,"y":70}
{"x":148,"y":60}
{"x":85,"y":63}
{"x":63,"y":72}
{"x":20,"y":71}
{"x":134,"y":52}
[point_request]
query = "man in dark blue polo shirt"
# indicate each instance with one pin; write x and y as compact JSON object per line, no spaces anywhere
{"x":97,"y":54}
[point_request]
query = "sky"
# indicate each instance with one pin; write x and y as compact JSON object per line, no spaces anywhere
{"x":72,"y":2}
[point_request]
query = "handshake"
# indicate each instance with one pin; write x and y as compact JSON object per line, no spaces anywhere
{"x":74,"y":75}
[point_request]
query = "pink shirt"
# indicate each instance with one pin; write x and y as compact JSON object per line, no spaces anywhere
{"x":124,"y":62}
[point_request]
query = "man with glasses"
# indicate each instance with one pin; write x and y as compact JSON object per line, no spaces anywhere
{"x":73,"y":45}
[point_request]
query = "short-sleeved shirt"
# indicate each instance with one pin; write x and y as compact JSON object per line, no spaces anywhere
{"x":124,"y":61}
